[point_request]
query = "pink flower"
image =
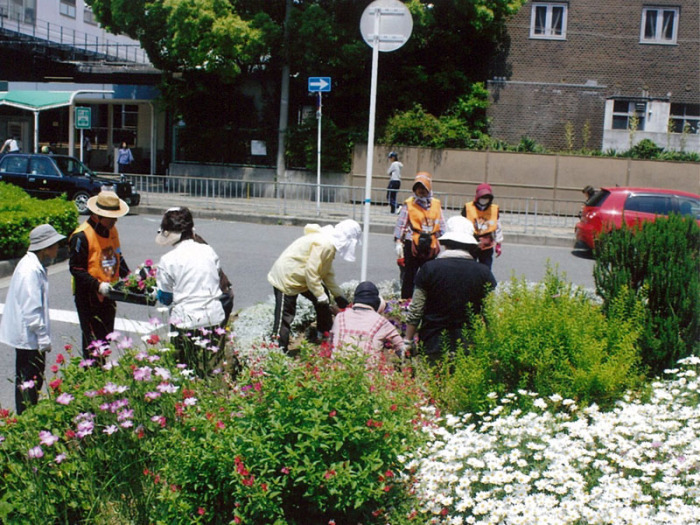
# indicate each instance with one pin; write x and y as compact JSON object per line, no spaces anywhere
{"x":64,"y":399}
{"x":27,"y":385}
{"x":61,"y":457}
{"x":35,"y":453}
{"x":47,"y":438}
{"x":143,"y":373}
{"x":111,"y":429}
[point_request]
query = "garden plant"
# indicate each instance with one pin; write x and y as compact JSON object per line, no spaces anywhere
{"x":544,"y":415}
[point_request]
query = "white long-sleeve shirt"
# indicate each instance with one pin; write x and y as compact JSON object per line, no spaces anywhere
{"x":191,"y":273}
{"x":25,"y":321}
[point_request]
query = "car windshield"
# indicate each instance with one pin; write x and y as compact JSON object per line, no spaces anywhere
{"x":72,"y":167}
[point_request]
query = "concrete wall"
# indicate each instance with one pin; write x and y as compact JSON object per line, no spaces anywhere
{"x":523,"y":175}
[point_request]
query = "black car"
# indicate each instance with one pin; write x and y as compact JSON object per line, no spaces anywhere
{"x":47,"y":176}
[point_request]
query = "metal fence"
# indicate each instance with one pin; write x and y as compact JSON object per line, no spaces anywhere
{"x":523,"y":214}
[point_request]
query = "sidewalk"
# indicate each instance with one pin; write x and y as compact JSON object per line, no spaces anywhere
{"x":541,"y":230}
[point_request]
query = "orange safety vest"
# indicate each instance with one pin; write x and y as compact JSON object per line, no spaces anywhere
{"x":424,"y":221}
{"x":485,"y":223}
{"x":104,"y":253}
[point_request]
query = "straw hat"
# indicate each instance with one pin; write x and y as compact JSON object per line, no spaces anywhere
{"x":107,"y":204}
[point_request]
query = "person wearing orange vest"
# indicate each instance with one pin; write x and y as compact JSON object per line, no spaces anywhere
{"x":95,"y":263}
{"x":484,"y":215}
{"x":419,"y":225}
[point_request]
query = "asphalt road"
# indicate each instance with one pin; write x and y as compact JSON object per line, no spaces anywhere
{"x":247,"y":251}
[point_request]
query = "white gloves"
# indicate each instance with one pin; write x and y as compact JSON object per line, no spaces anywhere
{"x":104,"y":289}
{"x":323,"y":299}
{"x":399,"y":250}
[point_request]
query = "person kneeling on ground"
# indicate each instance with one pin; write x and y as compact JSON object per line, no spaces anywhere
{"x":448,"y":289}
{"x":364,"y":326}
{"x":306,"y":268}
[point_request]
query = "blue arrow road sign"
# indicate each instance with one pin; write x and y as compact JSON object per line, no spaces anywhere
{"x":319,"y":84}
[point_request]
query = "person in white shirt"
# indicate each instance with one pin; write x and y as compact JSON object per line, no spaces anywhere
{"x":188,"y":283}
{"x":11,"y":145}
{"x":394,"y":173}
{"x":25,"y":323}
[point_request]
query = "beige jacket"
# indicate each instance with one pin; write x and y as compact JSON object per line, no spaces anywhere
{"x":306,"y":264}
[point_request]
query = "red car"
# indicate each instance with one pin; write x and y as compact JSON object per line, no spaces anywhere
{"x":607,"y":208}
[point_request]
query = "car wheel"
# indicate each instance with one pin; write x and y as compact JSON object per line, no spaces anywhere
{"x":80,"y":199}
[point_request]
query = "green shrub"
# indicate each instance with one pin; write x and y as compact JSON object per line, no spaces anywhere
{"x":20,"y":213}
{"x":644,"y":149}
{"x":549,"y":338}
{"x":302,"y":146}
{"x":659,"y":266}
{"x":144,"y":441}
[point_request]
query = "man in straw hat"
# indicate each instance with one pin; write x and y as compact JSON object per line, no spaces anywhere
{"x":419,"y":225}
{"x":448,"y":289}
{"x":25,"y":323}
{"x":96,"y":262}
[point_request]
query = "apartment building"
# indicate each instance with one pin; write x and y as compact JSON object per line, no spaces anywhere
{"x":57,"y":46}
{"x":600,"y":74}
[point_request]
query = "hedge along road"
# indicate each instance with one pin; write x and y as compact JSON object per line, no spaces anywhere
{"x":247,"y":251}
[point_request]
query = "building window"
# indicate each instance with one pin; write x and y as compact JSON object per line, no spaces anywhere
{"x":659,"y":25}
{"x":685,"y":117}
{"x":67,"y":8}
{"x":626,"y":113}
{"x":548,"y":21}
{"x":88,"y":16}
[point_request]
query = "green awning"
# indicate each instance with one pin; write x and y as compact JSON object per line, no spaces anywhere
{"x":36,"y":100}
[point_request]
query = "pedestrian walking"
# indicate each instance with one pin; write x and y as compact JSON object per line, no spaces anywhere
{"x":394,"y":173}
{"x":124,"y":158}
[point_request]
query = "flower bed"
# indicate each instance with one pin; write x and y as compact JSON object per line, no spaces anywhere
{"x":337,"y":438}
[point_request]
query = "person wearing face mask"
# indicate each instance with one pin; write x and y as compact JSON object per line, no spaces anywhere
{"x":188,"y":280}
{"x":484,"y":215}
{"x":25,"y":323}
{"x":417,"y":229}
{"x":306,"y":268}
{"x":96,"y":261}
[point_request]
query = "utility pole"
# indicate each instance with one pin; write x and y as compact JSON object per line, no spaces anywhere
{"x":284,"y":99}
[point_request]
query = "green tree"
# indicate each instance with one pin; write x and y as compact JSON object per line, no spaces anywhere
{"x":218,"y":46}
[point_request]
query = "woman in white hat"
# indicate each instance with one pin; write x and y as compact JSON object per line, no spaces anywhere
{"x":447,"y":290}
{"x":96,"y":262}
{"x":25,"y":323}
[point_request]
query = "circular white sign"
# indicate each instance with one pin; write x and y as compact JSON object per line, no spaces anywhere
{"x":386,"y":23}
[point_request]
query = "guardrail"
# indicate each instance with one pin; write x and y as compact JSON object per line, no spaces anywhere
{"x":521,"y":214}
{"x":19,"y":22}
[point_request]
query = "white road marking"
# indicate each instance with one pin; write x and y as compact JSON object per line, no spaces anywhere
{"x":120,"y":324}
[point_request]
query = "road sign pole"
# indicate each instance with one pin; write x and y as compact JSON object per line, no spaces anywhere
{"x":319,"y":115}
{"x":82,"y":144}
{"x":387,"y":34}
{"x":370,"y":145}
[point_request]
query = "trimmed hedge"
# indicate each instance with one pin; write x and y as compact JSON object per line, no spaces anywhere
{"x":20,"y":213}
